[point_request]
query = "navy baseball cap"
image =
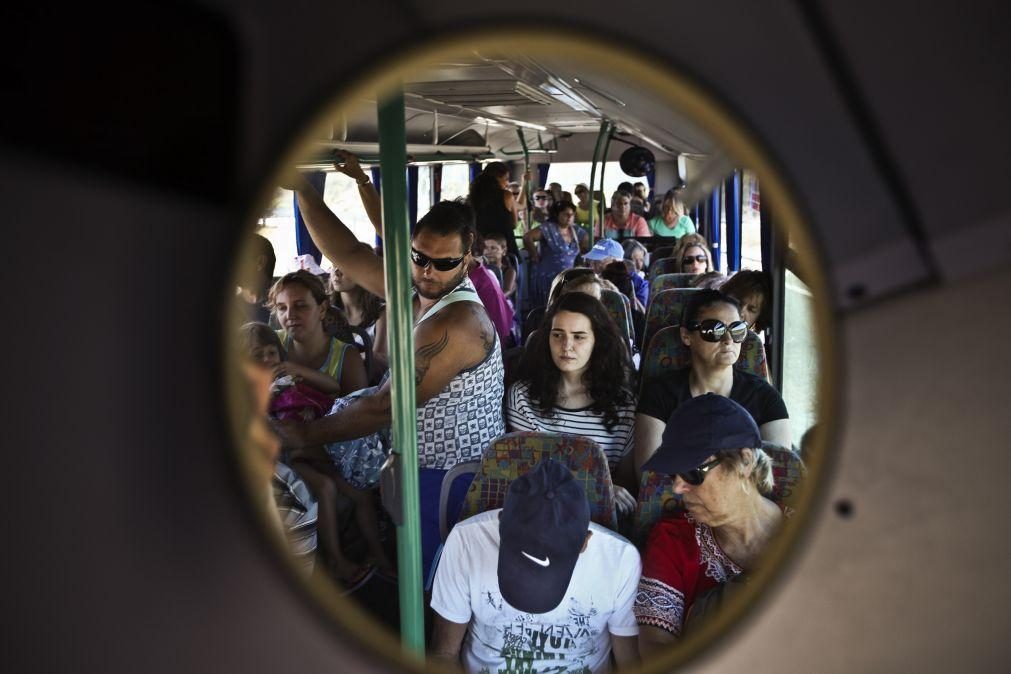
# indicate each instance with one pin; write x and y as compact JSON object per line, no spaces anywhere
{"x":699,"y":428}
{"x":542,"y":528}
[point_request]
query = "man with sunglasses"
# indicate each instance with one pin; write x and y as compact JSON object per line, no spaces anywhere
{"x":712,"y":330}
{"x":457,"y":358}
{"x":713,"y":451}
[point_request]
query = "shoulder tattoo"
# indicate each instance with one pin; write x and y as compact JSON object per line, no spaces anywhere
{"x":425,"y":354}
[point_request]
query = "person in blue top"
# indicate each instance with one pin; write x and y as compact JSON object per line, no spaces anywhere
{"x":559,"y":242}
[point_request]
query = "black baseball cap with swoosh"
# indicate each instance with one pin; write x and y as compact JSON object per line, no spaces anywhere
{"x":542,"y":528}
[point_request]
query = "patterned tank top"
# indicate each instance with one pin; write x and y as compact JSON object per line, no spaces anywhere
{"x":458,"y":423}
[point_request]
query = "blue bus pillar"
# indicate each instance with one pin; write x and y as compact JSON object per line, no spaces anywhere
{"x":397,"y":261}
{"x":303,"y":242}
{"x":715,"y":215}
{"x":412,"y":196}
{"x":733,"y":192}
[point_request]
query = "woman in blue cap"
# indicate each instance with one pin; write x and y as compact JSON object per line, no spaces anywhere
{"x":712,"y":448}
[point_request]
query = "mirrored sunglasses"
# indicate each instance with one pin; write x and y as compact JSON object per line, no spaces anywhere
{"x":712,"y":330}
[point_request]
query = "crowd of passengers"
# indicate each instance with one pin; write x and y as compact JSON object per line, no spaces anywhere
{"x":534,"y":584}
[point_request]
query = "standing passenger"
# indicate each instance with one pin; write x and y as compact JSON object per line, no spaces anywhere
{"x":495,"y":207}
{"x":560,"y":242}
{"x":457,"y":361}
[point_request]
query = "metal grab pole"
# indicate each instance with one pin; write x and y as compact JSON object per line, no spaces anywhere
{"x":393,"y":160}
{"x":593,"y":177}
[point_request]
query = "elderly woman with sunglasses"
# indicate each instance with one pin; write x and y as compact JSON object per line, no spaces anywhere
{"x":712,"y":330}
{"x":712,"y":449}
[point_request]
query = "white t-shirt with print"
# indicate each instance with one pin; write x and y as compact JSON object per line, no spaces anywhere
{"x":574,"y":637}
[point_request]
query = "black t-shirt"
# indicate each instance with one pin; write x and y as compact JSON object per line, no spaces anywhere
{"x":662,"y":395}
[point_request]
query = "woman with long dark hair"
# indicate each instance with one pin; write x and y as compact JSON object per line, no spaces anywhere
{"x":571,"y":382}
{"x":495,"y":207}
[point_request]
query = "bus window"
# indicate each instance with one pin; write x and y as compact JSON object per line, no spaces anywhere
{"x":800,"y":356}
{"x":424,"y":189}
{"x":278,"y":226}
{"x":455,"y":181}
{"x":751,"y":224}
{"x":570,"y":174}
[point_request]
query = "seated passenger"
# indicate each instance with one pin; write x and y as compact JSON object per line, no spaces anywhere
{"x":571,"y":381}
{"x":293,"y":400}
{"x":621,"y":221}
{"x":693,"y":256}
{"x":300,"y":303}
{"x":603,"y":253}
{"x":583,"y":206}
{"x":458,"y":358}
{"x":575,"y":280}
{"x":498,"y":263}
{"x":536,"y":586}
{"x":712,"y":280}
{"x":553,"y":247}
{"x":500,"y":311}
{"x":362,"y":309}
{"x":620,"y":274}
{"x":712,"y":330}
{"x":753,"y":290}
{"x":672,"y":220}
{"x":636,"y":252}
{"x":712,"y":449}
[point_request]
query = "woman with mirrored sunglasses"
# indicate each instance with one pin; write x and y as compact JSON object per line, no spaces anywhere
{"x":712,"y":450}
{"x":713,"y":331}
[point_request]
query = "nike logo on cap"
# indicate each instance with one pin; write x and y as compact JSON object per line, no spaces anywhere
{"x":542,"y":562}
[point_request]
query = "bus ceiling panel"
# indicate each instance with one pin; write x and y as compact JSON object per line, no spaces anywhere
{"x":768,"y":67}
{"x":941,"y":106}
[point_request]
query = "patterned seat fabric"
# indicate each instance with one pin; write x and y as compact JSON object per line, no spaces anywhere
{"x":664,"y":311}
{"x":620,"y":309}
{"x":668,"y":281}
{"x":516,"y":454}
{"x":662,"y":253}
{"x":667,"y":265}
{"x":667,"y":352}
{"x":657,"y":497}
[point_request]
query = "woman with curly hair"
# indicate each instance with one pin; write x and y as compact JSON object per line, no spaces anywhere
{"x":570,"y":382}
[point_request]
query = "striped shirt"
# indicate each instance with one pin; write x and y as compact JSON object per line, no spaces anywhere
{"x":524,"y":415}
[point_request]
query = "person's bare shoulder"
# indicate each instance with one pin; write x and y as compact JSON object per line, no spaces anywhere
{"x":469,"y":322}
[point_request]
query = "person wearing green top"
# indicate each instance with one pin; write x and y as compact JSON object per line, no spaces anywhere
{"x":671,"y":220}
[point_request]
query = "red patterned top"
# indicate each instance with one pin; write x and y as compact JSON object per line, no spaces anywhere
{"x":682,"y":561}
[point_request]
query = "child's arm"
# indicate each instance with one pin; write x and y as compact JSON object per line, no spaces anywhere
{"x":314,"y":378}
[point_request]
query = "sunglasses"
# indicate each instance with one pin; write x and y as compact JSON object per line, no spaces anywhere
{"x":697,"y":476}
{"x":439,"y":263}
{"x":694,"y":258}
{"x":541,"y":198}
{"x":712,"y":330}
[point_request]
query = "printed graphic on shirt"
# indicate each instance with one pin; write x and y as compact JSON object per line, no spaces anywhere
{"x":529,"y":646}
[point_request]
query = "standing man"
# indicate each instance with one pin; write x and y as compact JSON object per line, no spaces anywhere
{"x":535,"y":586}
{"x":457,"y":356}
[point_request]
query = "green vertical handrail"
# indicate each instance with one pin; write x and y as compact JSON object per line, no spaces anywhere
{"x":526,"y":183}
{"x":603,"y":165}
{"x":593,"y":175}
{"x":400,"y":322}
